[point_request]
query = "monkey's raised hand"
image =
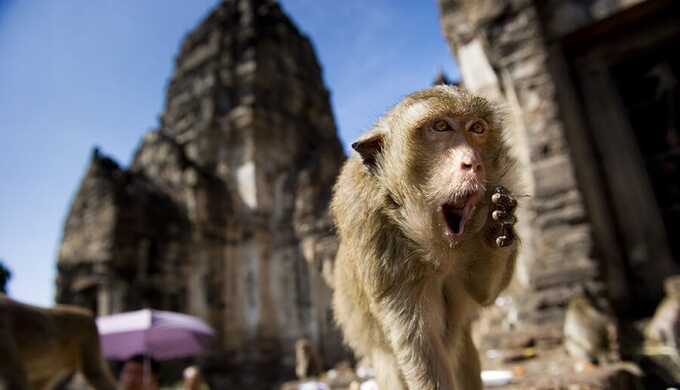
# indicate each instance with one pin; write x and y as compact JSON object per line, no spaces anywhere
{"x":499,"y":225}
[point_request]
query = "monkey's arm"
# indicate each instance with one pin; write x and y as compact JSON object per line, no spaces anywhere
{"x":492,"y":253}
{"x":489,"y":272}
{"x":412,"y":318}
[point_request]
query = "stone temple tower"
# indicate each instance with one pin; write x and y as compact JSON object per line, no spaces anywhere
{"x":223,"y":210}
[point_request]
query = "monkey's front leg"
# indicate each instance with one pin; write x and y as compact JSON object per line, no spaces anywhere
{"x":413,"y":320}
{"x":467,"y":368}
{"x":492,"y":255}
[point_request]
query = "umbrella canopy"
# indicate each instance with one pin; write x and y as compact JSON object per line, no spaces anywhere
{"x":158,"y":334}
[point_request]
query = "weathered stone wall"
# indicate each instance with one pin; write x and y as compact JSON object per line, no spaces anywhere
{"x":512,"y":51}
{"x":245,"y":157}
{"x":562,"y":17}
{"x":118,"y":225}
{"x":597,"y":77}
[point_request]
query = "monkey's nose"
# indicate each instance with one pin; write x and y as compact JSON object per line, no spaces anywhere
{"x":470,"y":165}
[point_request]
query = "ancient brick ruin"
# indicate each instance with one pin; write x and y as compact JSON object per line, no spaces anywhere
{"x":589,"y":87}
{"x":223,"y":211}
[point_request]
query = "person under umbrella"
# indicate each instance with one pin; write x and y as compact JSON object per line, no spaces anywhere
{"x":142,"y":337}
{"x":139,"y":373}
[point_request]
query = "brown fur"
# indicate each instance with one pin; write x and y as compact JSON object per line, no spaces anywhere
{"x":404,"y":295}
{"x":307,"y":360}
{"x":40,"y":347}
{"x":664,"y":328}
{"x":589,"y":334}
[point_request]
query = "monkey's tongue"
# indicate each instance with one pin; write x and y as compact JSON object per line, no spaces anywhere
{"x":456,"y":217}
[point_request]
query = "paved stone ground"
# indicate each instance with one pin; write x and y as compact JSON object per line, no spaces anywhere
{"x":537,"y":361}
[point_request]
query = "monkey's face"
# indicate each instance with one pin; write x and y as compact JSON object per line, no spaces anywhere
{"x":455,"y":174}
{"x":435,"y":154}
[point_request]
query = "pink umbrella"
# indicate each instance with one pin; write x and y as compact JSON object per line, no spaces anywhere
{"x":160,"y":335}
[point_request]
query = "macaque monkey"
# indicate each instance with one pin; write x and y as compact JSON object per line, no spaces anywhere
{"x":307,"y":360}
{"x":41,"y":348}
{"x":664,"y":328}
{"x":589,"y":334}
{"x":424,"y":212}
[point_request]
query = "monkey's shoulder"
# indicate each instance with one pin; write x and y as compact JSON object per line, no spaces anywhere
{"x":356,"y":193}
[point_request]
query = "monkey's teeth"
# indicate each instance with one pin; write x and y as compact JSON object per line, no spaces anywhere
{"x":461,"y":226}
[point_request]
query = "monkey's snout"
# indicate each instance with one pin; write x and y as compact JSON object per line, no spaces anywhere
{"x":471,"y":162}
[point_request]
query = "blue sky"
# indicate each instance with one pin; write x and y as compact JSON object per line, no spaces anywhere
{"x":80,"y":73}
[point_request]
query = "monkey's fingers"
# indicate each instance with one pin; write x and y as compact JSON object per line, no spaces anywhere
{"x":503,"y":217}
{"x":503,"y":241}
{"x":506,"y":237}
{"x":504,"y":200}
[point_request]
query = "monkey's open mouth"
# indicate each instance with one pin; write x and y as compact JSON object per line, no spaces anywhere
{"x":457,"y":214}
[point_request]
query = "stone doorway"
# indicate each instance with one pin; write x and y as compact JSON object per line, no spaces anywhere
{"x":650,"y":94}
{"x":627,"y":97}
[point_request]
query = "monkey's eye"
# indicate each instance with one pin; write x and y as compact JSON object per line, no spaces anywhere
{"x":478,"y":126}
{"x":441,"y":125}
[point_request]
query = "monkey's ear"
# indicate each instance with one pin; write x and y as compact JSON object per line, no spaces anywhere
{"x":369,"y":148}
